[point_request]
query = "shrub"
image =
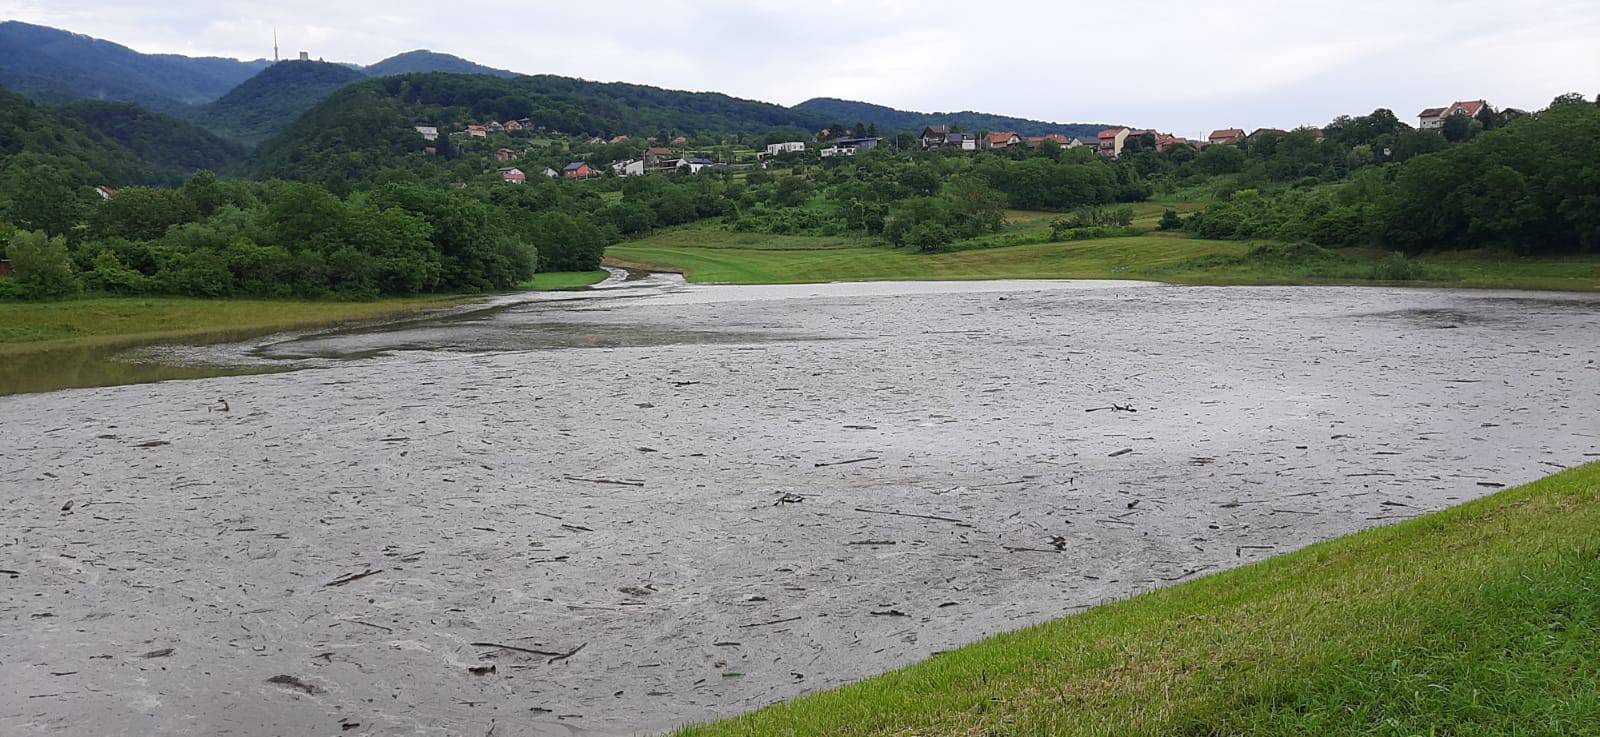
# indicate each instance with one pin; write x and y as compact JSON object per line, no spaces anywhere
{"x":1170,"y":221}
{"x":42,"y":266}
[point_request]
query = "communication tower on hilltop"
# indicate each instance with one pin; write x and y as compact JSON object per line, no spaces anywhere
{"x":274,"y":44}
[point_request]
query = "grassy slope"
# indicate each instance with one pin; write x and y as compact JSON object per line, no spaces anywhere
{"x":33,"y":327}
{"x":1479,"y":620}
{"x":715,"y":257}
{"x":39,"y":326}
{"x":564,"y":280}
{"x":709,"y":254}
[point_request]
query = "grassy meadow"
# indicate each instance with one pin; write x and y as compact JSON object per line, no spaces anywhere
{"x":1479,"y":620}
{"x":711,"y":254}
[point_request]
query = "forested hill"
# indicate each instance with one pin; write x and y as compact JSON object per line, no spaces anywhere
{"x":57,"y":66}
{"x":268,"y":102}
{"x":168,"y":148}
{"x":367,"y":127}
{"x":890,"y":120}
{"x":423,"y":60}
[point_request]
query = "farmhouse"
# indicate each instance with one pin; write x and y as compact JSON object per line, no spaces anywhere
{"x":477,"y":131}
{"x":428,"y":132}
{"x":657,"y":156}
{"x":512,"y":175}
{"x":1226,"y":137}
{"x":503,"y":155}
{"x":579,"y":170}
{"x":1001,"y":139}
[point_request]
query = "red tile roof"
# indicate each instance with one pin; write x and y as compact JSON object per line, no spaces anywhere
{"x":1111,"y":132}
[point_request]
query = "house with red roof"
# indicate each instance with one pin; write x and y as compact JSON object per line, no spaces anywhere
{"x":1000,"y":139}
{"x":1226,"y":137}
{"x":477,"y":131}
{"x":1112,"y":140}
{"x":504,"y":155}
{"x":579,"y":170}
{"x":512,"y":175}
{"x":1434,"y":117}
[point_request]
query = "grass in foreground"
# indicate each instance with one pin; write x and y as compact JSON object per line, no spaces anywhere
{"x":1479,"y":620}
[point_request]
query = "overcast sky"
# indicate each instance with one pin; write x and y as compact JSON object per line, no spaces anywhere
{"x":1183,"y":67}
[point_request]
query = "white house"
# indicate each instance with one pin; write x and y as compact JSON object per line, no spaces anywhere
{"x":693,"y":165}
{"x":551,"y":173}
{"x":428,"y":132}
{"x":629,"y":168}
{"x":833,"y":151}
{"x":773,"y":149}
{"x":1434,"y":117}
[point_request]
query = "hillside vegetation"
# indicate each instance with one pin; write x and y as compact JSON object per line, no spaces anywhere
{"x":891,"y":120}
{"x":267,"y":103}
{"x":1479,"y":620}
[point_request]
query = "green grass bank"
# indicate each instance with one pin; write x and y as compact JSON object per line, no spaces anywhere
{"x":1479,"y":620}
{"x":713,"y":255}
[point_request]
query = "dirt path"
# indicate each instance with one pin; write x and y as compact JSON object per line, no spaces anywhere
{"x":669,"y":527}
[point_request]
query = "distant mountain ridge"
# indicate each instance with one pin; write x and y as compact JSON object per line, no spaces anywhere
{"x":891,"y":120}
{"x":252,"y":101}
{"x":423,"y":60}
{"x":54,"y":66}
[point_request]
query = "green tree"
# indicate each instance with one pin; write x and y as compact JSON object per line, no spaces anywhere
{"x":41,"y":265}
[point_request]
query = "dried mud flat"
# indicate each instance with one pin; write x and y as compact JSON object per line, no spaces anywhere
{"x":615,"y":540}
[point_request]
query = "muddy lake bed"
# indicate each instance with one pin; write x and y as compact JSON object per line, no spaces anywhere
{"x":617,"y":511}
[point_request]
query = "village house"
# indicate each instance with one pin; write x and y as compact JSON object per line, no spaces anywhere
{"x":494,"y":126}
{"x":428,"y":132}
{"x":504,"y":155}
{"x":477,"y":131}
{"x":512,"y":126}
{"x":105,"y":192}
{"x":596,"y":140}
{"x":1165,"y":142}
{"x":1111,"y":140}
{"x":657,"y":156}
{"x":773,"y":149}
{"x":1434,"y":117}
{"x":579,"y":170}
{"x":680,"y":141}
{"x":629,"y":168}
{"x":1226,"y":137}
{"x":692,"y":165}
{"x":618,"y":139}
{"x":512,"y":175}
{"x":939,"y":136}
{"x":1056,"y":138}
{"x":1000,"y":139}
{"x":551,"y":173}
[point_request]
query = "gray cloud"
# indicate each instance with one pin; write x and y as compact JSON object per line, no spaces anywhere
{"x":1186,"y":67}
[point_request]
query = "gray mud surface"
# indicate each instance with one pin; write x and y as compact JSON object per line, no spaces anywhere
{"x":729,"y":496}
